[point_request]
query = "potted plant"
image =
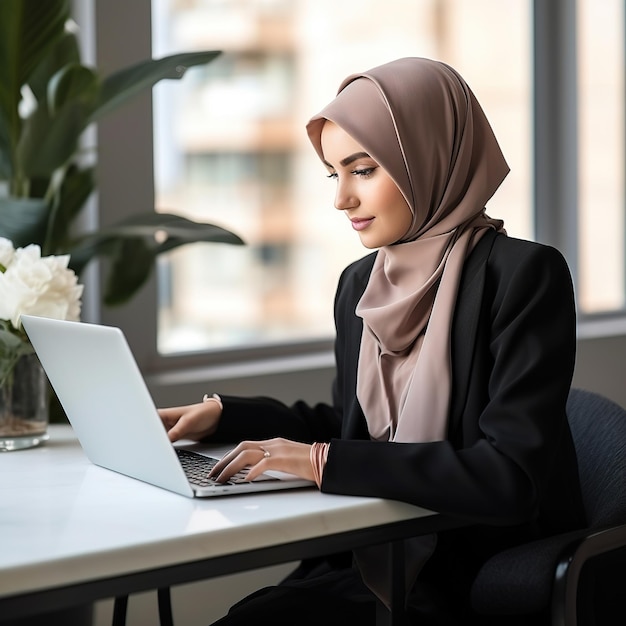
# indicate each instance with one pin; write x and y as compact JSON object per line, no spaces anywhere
{"x":29,"y":285}
{"x":48,"y":98}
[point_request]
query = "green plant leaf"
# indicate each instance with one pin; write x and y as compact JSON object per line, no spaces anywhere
{"x":6,"y":167}
{"x":23,"y":220}
{"x":159,"y":233}
{"x":124,"y":84}
{"x":133,"y":245}
{"x":72,"y":83}
{"x":31,"y":29}
{"x":89,"y":247}
{"x":131,"y":265}
{"x":76,"y":187}
{"x":47,"y":143}
{"x":13,"y":345}
{"x":163,"y":226}
{"x":51,"y":134}
{"x":64,"y":52}
{"x":131,"y":260}
{"x":28,"y":31}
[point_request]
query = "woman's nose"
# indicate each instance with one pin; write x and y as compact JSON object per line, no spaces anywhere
{"x":344,"y":199}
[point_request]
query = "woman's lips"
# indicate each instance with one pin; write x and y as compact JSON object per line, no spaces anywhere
{"x":360,"y":223}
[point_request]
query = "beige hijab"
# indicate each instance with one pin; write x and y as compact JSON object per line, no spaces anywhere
{"x":421,"y":122}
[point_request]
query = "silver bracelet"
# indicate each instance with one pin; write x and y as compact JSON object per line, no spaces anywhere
{"x":213,"y":398}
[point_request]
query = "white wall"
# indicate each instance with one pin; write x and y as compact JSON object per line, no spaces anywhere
{"x":601,"y":366}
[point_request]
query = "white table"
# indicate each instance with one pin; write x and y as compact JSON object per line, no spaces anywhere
{"x":72,"y":532}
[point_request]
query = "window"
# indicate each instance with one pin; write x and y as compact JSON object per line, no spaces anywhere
{"x":601,"y":135}
{"x":251,"y":169}
{"x":230,"y":148}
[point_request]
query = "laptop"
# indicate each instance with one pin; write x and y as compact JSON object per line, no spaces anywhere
{"x":107,"y":402}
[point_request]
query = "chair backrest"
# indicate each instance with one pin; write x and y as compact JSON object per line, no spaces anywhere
{"x":598,"y":427}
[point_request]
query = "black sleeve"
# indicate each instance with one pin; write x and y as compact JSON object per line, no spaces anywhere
{"x":263,"y":418}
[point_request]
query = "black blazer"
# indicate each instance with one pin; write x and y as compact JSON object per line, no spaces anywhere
{"x":508,"y":460}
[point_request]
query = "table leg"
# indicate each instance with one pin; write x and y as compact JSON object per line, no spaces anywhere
{"x":120,"y":607}
{"x":165,"y":607}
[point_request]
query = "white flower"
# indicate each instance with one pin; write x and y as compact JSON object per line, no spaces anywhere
{"x":7,"y":253}
{"x":36,"y":285}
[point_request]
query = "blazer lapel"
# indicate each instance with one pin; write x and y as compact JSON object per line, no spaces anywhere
{"x":465,"y":325}
{"x":354,"y":424}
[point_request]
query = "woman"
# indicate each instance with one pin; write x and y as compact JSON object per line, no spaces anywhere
{"x":455,"y":350}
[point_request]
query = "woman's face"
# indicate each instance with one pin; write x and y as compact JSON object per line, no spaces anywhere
{"x":365,"y":192}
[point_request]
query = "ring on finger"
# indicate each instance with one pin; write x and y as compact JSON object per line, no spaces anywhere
{"x":266,"y":453}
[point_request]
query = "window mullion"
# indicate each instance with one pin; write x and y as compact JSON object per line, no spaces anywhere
{"x":556,"y":127}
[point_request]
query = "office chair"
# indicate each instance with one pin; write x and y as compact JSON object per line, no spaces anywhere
{"x":579,"y":575}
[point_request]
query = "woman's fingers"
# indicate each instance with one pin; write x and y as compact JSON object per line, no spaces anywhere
{"x":170,"y":415}
{"x":260,"y":456}
{"x":246,"y":454}
{"x":194,"y":421}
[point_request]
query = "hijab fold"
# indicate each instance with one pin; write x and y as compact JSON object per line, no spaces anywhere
{"x":420,"y":121}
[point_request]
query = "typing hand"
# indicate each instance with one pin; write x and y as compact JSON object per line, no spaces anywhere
{"x":193,"y":421}
{"x":272,"y":454}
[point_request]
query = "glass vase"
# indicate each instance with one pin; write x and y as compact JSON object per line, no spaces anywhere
{"x":24,"y":405}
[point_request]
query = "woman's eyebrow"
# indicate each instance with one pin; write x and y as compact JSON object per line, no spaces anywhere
{"x":349,"y":159}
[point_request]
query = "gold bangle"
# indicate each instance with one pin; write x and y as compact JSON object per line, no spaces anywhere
{"x":318,"y":454}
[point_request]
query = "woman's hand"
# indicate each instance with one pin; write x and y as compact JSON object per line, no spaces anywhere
{"x":272,"y":454}
{"x":193,"y":421}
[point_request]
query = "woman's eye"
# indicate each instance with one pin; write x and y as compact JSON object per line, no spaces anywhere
{"x":364,"y":172}
{"x":332,"y":175}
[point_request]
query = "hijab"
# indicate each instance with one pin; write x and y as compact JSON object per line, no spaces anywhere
{"x":420,"y":121}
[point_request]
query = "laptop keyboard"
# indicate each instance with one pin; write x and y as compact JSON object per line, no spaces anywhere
{"x":197,"y":467}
